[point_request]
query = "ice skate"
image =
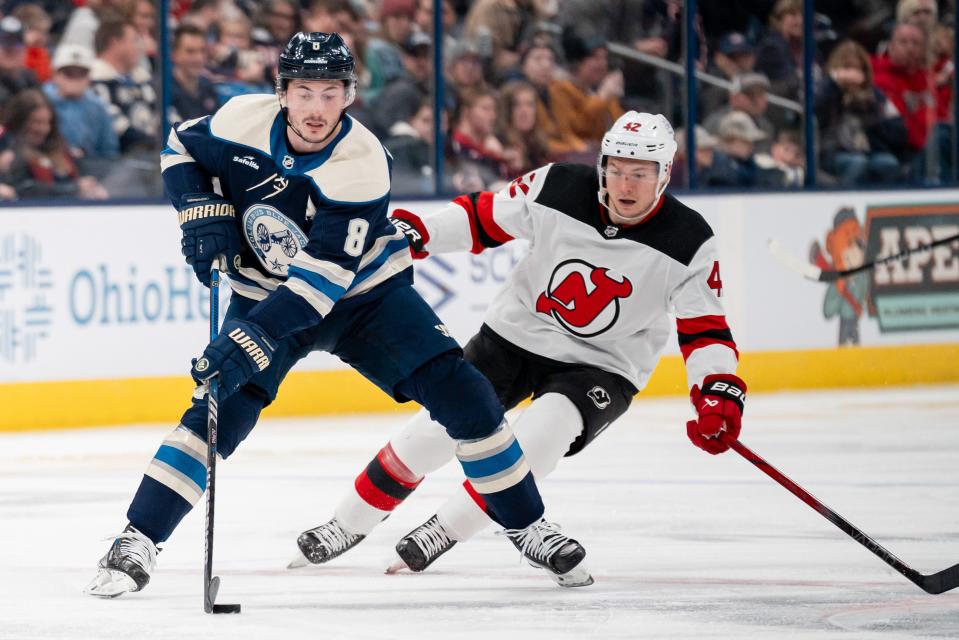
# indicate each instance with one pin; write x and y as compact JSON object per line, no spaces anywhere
{"x":126,"y":566}
{"x":322,"y":544}
{"x":544,"y":546}
{"x":420,"y":547}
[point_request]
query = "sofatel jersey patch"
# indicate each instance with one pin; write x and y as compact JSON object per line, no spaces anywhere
{"x":586,"y":295}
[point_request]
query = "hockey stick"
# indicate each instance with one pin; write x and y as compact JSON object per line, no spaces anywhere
{"x":211,"y":583}
{"x":812,"y":272}
{"x":934,"y":583}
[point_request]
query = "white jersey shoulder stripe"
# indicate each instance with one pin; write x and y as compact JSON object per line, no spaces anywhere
{"x":338,"y":179}
{"x":247,"y":120}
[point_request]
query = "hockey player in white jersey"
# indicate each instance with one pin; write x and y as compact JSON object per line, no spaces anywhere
{"x":580,"y":326}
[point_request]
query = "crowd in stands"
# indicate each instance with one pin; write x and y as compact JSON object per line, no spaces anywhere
{"x":526,"y":82}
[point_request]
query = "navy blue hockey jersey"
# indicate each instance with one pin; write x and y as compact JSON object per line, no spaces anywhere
{"x":315,"y":225}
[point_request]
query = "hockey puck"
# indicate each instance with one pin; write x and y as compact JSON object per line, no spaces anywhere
{"x":226,"y":608}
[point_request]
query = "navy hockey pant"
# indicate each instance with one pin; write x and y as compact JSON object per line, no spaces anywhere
{"x":396,"y":341}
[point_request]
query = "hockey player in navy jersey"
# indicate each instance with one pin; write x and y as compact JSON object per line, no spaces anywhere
{"x":293,"y":192}
{"x":580,"y":326}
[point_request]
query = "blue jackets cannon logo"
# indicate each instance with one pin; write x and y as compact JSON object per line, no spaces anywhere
{"x":273,"y":237}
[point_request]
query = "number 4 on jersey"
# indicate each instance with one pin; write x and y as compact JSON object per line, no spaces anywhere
{"x":714,"y":281}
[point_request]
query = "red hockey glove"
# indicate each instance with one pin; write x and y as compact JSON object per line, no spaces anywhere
{"x":414,"y":230}
{"x":720,"y":408}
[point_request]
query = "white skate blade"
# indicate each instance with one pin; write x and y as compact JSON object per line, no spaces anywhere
{"x":299,"y":561}
{"x":396,"y":566}
{"x":578,"y":576}
{"x":110,"y":583}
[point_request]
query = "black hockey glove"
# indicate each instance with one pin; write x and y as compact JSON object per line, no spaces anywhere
{"x":209,"y":230}
{"x":241,"y":351}
{"x":414,"y":230}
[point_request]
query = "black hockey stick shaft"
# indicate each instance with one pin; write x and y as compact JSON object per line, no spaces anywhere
{"x":829,"y":276}
{"x":211,"y":583}
{"x":935,"y":583}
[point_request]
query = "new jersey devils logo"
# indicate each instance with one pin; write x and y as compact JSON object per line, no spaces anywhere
{"x":585,"y":310}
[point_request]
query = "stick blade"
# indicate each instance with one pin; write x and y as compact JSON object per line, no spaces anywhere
{"x":209,"y":596}
{"x":226,"y":608}
{"x":791,"y":262}
{"x":945,"y":580}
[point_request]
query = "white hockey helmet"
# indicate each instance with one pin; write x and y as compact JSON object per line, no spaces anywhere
{"x":638,"y":136}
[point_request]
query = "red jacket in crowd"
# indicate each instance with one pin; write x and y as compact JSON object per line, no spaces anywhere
{"x":912,"y":95}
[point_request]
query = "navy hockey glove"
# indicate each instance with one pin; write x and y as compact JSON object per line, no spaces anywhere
{"x":209,"y":230}
{"x":414,"y":230}
{"x":720,"y":407}
{"x":241,"y":351}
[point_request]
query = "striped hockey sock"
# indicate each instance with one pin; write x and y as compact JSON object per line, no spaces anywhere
{"x":497,"y":471}
{"x":380,"y":488}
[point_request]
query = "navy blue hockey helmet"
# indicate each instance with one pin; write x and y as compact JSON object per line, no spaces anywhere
{"x":316,"y":56}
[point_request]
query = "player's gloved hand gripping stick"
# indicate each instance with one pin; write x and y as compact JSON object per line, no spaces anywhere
{"x":208,"y":223}
{"x":211,"y":583}
{"x":719,"y":405}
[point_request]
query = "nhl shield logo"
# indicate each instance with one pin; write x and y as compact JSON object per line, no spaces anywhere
{"x":274,"y":238}
{"x":599,"y":396}
{"x":287,"y":161}
{"x":582,"y":298}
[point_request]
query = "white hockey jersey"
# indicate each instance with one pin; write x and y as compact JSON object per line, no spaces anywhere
{"x":589,"y":291}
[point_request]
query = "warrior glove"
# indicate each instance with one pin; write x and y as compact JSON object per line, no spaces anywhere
{"x":242,"y":350}
{"x":209,"y":230}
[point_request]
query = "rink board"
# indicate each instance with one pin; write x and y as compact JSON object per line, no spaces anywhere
{"x":99,"y":316}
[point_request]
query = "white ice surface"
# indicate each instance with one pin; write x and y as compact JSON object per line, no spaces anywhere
{"x":682,"y":544}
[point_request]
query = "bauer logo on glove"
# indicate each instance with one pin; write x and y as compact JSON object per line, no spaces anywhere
{"x":719,"y":407}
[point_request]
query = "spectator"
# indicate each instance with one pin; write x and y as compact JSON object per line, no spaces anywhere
{"x":399,"y":99}
{"x":497,"y":27}
{"x":36,"y":37}
{"x":922,"y":13}
{"x":42,"y":166}
{"x":779,"y":55}
{"x":943,"y":75}
{"x":464,"y":70}
{"x":131,"y":104}
{"x":84,"y":121}
{"x":280,"y":19}
{"x":472,"y":139}
{"x":192,"y":93}
{"x":734,"y":57}
{"x":749,"y":94}
{"x":237,"y":67}
{"x":735,"y":166}
{"x":705,"y":152}
{"x":525,"y":146}
{"x":651,"y":27}
{"x":588,"y":102}
{"x":424,"y":22}
{"x":384,"y":55}
{"x":410,"y":143}
{"x":901,"y":75}
{"x":332,"y":16}
{"x":203,"y":13}
{"x":785,"y":157}
{"x":538,"y":67}
{"x":145,"y":22}
{"x":14,"y":76}
{"x":862,"y":135}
